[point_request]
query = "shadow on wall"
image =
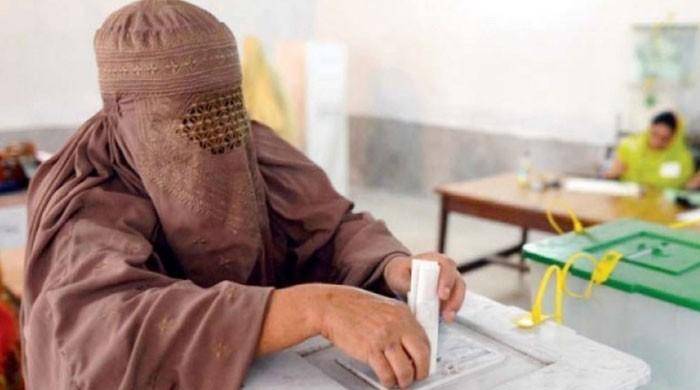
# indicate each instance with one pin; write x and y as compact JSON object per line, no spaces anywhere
{"x":414,"y":158}
{"x":388,"y":156}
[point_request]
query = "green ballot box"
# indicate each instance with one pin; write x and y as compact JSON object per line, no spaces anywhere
{"x":649,"y":306}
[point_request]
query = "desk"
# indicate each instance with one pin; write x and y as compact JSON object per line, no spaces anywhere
{"x":500,"y":198}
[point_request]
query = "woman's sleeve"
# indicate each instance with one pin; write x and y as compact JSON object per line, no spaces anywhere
{"x":624,"y":150}
{"x":328,"y":241}
{"x":687,"y":167}
{"x":106,"y":316}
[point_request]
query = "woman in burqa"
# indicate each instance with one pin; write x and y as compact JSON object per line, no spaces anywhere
{"x":172,"y":241}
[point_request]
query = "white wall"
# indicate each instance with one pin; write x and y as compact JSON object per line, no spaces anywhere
{"x":48,"y":75}
{"x":539,"y":68}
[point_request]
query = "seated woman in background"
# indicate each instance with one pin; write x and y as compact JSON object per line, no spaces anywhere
{"x":658,"y":157}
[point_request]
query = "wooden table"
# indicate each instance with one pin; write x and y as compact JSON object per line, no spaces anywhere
{"x":500,"y":198}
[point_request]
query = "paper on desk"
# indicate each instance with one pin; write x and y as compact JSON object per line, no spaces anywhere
{"x":458,"y":356}
{"x":604,"y":187}
{"x":687,"y":216}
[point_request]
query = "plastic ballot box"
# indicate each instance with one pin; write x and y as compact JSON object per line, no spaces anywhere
{"x":483,"y":349}
{"x":650,"y":304}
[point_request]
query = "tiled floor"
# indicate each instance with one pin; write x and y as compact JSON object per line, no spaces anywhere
{"x":414,"y":221}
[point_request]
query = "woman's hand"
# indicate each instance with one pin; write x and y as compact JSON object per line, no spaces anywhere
{"x":694,"y":183}
{"x":451,"y":286}
{"x":379,"y":331}
{"x":616,"y":170}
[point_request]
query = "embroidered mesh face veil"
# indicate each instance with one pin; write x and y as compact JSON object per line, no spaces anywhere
{"x":170,"y":78}
{"x":217,"y":123}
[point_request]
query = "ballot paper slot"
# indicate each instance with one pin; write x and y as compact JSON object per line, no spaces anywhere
{"x":466,"y":359}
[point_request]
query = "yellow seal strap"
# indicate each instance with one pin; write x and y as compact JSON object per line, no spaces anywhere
{"x":578,"y":226}
{"x":602,"y":269}
{"x":685,"y":224}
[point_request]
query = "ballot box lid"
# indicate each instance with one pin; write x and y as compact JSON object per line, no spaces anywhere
{"x":658,"y":261}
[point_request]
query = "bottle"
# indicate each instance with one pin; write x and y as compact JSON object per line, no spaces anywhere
{"x":524,"y":170}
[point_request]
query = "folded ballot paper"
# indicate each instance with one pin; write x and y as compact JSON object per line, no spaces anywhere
{"x":452,"y":354}
{"x":424,"y":302}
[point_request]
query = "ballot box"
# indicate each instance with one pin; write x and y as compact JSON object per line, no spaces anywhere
{"x":483,"y":349}
{"x":650,"y":305}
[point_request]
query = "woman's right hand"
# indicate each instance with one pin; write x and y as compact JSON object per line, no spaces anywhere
{"x":694,"y":183}
{"x":379,"y":331}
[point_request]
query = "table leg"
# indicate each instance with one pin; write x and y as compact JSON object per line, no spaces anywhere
{"x":523,"y":240}
{"x":500,"y":258}
{"x":442,"y":232}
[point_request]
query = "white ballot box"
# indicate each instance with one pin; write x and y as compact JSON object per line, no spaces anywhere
{"x":483,"y":349}
{"x":649,"y":306}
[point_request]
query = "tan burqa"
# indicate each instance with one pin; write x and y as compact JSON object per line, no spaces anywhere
{"x":158,"y":232}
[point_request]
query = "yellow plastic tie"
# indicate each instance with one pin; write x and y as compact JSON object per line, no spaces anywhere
{"x":578,"y":226}
{"x":567,"y":267}
{"x":685,"y":224}
{"x":602,"y":269}
{"x":606,"y":266}
{"x":554,"y":223}
{"x":535,"y":316}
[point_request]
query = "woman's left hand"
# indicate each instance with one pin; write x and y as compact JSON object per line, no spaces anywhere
{"x":451,"y":286}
